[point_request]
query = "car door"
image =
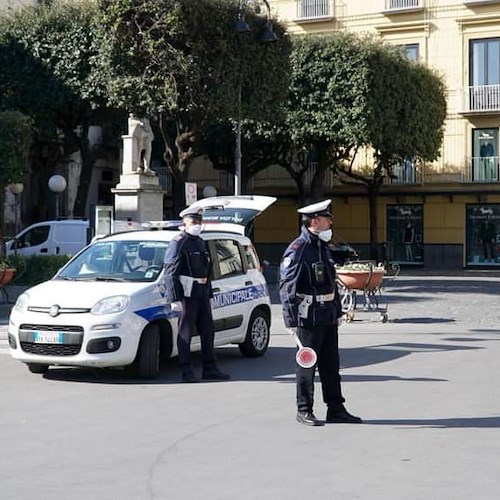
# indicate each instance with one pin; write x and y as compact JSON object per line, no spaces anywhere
{"x":230,"y":289}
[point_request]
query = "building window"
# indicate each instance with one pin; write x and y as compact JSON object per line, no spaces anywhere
{"x":484,"y":164}
{"x":410,"y":51}
{"x":405,"y":234}
{"x":482,"y":241}
{"x":312,"y":9}
{"x":485,"y":62}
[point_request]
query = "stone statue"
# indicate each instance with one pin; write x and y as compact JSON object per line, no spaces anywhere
{"x":142,"y":136}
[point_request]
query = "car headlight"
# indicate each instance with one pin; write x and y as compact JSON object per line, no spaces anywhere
{"x":21,"y":304}
{"x":111,"y":305}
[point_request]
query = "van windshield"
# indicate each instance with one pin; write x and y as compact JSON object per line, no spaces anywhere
{"x":117,"y":261}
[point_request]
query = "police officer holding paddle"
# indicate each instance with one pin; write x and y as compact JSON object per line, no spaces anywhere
{"x":311,"y":308}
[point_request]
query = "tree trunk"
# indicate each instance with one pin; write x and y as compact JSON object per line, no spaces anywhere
{"x":88,"y":160}
{"x":318,"y":181}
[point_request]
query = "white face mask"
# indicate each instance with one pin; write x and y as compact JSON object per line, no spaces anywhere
{"x":193,"y":230}
{"x":325,"y":235}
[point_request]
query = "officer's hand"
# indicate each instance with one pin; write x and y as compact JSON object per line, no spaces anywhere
{"x":177,"y":306}
{"x":292,"y":330}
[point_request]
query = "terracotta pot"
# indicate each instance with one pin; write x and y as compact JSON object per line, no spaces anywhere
{"x":6,"y":276}
{"x":361,"y":280}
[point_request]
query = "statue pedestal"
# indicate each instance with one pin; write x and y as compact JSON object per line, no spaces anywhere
{"x":138,"y":197}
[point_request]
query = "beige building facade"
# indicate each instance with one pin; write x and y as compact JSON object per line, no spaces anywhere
{"x":440,"y":215}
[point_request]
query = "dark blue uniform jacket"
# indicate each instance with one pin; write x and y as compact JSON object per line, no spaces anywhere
{"x":307,"y":267}
{"x":187,"y":255}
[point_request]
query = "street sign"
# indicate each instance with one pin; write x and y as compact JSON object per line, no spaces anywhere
{"x":191,"y":195}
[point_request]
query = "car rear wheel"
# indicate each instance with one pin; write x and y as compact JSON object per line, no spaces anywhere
{"x":258,"y":334}
{"x":148,"y":354}
{"x":38,"y":368}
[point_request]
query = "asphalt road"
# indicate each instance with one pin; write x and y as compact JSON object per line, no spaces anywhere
{"x":425,"y":382}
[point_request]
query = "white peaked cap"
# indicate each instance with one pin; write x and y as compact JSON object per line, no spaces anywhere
{"x":192,"y":212}
{"x":321,"y":208}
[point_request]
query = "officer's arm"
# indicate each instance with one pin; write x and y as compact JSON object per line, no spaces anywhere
{"x":289,"y":275}
{"x":173,"y":260}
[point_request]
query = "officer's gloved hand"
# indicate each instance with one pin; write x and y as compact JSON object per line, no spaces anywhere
{"x":292,"y":330}
{"x":177,"y":306}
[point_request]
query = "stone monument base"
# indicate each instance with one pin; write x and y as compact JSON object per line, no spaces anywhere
{"x":138,"y":197}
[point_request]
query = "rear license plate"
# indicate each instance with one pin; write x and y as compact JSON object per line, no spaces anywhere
{"x":48,"y":338}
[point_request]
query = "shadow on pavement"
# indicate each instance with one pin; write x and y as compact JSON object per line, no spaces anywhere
{"x":441,"y":423}
{"x":278,"y":365}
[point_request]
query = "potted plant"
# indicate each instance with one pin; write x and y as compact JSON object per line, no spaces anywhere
{"x":360,"y":275}
{"x":6,"y":272}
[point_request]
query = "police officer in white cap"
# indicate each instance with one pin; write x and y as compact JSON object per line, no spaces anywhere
{"x":188,"y":288}
{"x":311,"y":307}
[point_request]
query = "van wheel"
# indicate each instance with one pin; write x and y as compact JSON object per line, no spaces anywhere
{"x":37,"y":368}
{"x":148,"y":354}
{"x":258,"y":334}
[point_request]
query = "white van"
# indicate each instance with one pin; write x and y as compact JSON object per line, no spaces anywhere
{"x":53,"y":237}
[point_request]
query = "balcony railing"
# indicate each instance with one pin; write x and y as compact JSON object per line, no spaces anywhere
{"x":402,"y":5}
{"x":477,"y":2}
{"x":314,"y":9}
{"x":482,"y":169}
{"x":482,"y":98}
{"x":406,"y":172}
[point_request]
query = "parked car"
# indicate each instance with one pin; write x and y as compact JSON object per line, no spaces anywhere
{"x":53,"y":237}
{"x":106,"y":306}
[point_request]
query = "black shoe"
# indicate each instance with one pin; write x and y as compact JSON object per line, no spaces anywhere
{"x":308,"y":418}
{"x":339,"y":415}
{"x":189,"y":378}
{"x":215,"y":375}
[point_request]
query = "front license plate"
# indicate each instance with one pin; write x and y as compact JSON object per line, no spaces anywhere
{"x":48,"y":338}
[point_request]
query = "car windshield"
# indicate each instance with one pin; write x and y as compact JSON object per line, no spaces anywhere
{"x":117,"y":261}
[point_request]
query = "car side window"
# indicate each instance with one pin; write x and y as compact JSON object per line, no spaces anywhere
{"x":36,"y":236}
{"x":228,"y":258}
{"x":251,"y":257}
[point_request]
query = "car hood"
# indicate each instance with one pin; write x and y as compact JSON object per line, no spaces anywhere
{"x":83,"y":294}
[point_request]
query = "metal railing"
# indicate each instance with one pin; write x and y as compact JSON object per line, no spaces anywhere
{"x":406,"y":172}
{"x":482,"y":169}
{"x":314,"y":9}
{"x":482,"y":98}
{"x":403,"y":4}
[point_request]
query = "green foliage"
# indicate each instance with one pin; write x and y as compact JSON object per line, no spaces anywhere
{"x":35,"y":269}
{"x":328,"y":90}
{"x":50,"y":55}
{"x":15,"y":142}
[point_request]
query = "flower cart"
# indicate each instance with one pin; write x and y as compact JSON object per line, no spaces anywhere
{"x":365,"y":279}
{"x":6,"y":275}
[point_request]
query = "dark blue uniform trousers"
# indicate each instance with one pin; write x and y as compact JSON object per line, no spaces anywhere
{"x":196,"y":312}
{"x":325,"y":341}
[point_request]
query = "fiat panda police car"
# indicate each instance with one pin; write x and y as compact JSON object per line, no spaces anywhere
{"x":106,"y":306}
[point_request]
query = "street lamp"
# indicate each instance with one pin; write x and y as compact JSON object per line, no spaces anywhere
{"x":57,"y":184}
{"x":16,"y":189}
{"x":267,"y":35}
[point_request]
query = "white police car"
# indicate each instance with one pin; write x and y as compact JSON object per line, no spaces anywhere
{"x":106,"y":306}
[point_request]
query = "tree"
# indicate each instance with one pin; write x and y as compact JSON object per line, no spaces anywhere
{"x":15,"y":142}
{"x":347,"y":93}
{"x":405,"y":109}
{"x":183,"y":64}
{"x":49,"y":58}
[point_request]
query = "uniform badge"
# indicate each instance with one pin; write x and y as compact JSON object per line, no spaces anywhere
{"x":287,"y":261}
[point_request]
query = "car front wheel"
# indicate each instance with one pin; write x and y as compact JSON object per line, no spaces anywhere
{"x":148,"y":354}
{"x":258,"y":334}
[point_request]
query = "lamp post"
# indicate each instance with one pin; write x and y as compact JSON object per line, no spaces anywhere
{"x":267,"y":35}
{"x":57,"y":184}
